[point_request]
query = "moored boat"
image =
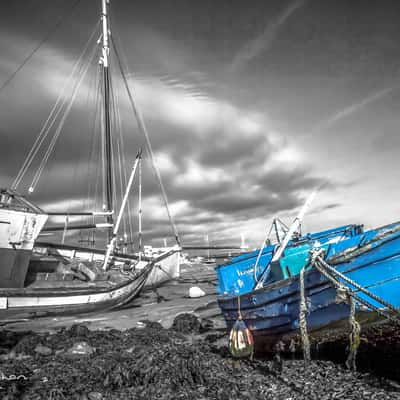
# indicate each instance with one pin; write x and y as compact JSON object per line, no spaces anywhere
{"x":46,"y":278}
{"x":366,"y":266}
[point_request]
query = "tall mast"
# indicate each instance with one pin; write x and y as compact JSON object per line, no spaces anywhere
{"x":140,"y":206}
{"x":104,"y":60}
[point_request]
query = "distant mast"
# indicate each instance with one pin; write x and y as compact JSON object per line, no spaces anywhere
{"x":104,"y":61}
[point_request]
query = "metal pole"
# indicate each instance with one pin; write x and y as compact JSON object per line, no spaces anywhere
{"x":295,"y":225}
{"x":104,"y":60}
{"x":121,"y":211}
{"x":140,"y":208}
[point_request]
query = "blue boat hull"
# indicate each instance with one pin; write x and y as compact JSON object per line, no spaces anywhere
{"x":238,"y":276}
{"x":372,"y":260}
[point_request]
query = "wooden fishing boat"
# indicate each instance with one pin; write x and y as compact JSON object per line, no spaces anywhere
{"x":46,"y":278}
{"x":365,"y":266}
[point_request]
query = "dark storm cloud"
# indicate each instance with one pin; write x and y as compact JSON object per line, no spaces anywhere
{"x":280,"y":181}
{"x":227,"y":150}
{"x":237,"y":202}
{"x":228,"y":92}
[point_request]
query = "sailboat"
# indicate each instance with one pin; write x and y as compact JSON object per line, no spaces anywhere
{"x":307,"y":285}
{"x":40,"y":278}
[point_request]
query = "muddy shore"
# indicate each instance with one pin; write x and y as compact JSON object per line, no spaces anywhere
{"x":159,"y":349}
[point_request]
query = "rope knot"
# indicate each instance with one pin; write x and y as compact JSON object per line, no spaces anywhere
{"x":316,"y":254}
{"x":342,"y":295}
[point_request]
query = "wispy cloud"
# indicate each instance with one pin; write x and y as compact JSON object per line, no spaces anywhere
{"x":264,"y":41}
{"x":353,"y":108}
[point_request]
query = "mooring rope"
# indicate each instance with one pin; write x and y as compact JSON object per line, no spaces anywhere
{"x":354,"y":335}
{"x":329,"y":274}
{"x":239,"y":310}
{"x":303,"y":311}
{"x":347,"y":295}
{"x":356,"y":285}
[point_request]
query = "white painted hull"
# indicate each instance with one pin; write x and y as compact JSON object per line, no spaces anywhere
{"x":19,"y":229}
{"x":32,"y":303}
{"x":165,"y":270}
{"x":18,"y":232}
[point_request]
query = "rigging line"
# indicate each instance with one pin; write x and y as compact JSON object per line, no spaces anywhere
{"x":52,"y":116}
{"x":129,"y":207}
{"x":115,"y":145}
{"x":41,"y":43}
{"x":60,"y":125}
{"x":262,"y":246}
{"x":91,"y":174}
{"x":103,"y":160}
{"x":82,"y":156}
{"x":93,"y":137}
{"x":123,"y":163}
{"x":93,"y":188}
{"x":112,"y":141}
{"x":119,"y":151}
{"x":50,"y":148}
{"x":120,"y":177}
{"x":143,"y":130}
{"x":123,"y":170}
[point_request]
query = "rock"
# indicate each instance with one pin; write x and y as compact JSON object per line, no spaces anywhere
{"x":79,"y":330}
{"x":43,"y":350}
{"x":186,"y":323}
{"x":95,"y":396}
{"x":145,"y":323}
{"x":206,"y":325}
{"x":195,"y":292}
{"x":81,"y":348}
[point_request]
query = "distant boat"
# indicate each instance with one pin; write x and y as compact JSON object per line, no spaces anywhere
{"x":366,"y":264}
{"x":46,"y":278}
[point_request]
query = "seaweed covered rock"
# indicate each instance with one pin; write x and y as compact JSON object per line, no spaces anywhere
{"x":186,"y":323}
{"x":156,"y":363}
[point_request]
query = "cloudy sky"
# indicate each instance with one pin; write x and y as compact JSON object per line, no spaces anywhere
{"x":249,"y":105}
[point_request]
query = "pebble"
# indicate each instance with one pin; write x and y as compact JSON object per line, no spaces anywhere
{"x":95,"y":396}
{"x":81,"y":348}
{"x":43,"y":350}
{"x":195,"y":292}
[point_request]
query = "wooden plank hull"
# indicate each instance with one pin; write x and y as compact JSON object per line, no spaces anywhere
{"x":272,"y":312}
{"x":30,"y":303}
{"x":53,"y":295}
